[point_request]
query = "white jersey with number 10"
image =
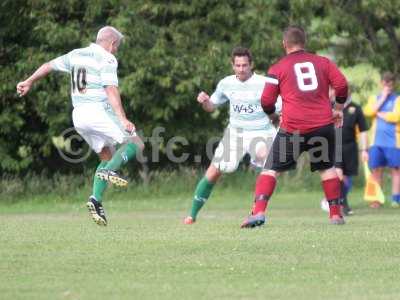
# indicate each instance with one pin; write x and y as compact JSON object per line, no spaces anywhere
{"x":91,"y":69}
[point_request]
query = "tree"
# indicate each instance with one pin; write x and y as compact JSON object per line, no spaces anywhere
{"x":172,"y":50}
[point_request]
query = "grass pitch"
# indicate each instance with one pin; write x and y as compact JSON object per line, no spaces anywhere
{"x":53,"y":250}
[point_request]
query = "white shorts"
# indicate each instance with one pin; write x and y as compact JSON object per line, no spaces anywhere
{"x":237,"y":142}
{"x":99,"y":126}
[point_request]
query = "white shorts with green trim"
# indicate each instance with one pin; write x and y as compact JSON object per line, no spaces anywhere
{"x":236,"y":143}
{"x":98,"y":125}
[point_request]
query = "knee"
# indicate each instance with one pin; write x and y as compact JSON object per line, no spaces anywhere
{"x":105,"y":154}
{"x":226,"y":167}
{"x":328,"y":174}
{"x":271,"y":173}
{"x":396,"y":172}
{"x":261,"y":153}
{"x":340,"y":175}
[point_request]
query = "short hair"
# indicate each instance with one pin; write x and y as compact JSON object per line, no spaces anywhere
{"x":109,"y":33}
{"x":241,"y":51}
{"x":294,"y":36}
{"x":388,"y":77}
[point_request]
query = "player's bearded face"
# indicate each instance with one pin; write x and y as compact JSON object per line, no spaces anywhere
{"x":242,"y":67}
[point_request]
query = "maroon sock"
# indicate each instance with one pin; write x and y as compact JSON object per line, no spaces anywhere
{"x":332,"y":194}
{"x":265,"y":186}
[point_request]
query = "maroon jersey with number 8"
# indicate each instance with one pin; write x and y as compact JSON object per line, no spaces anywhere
{"x":303,"y":79}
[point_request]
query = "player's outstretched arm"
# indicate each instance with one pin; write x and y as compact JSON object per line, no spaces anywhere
{"x":204,"y":99}
{"x":23,"y":87}
{"x":114,"y":99}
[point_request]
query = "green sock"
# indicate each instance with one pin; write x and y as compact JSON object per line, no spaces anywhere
{"x":99,"y":185}
{"x":201,"y":194}
{"x":121,"y":156}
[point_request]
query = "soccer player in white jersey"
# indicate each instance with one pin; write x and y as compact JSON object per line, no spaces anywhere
{"x":98,"y":115}
{"x":249,"y":130}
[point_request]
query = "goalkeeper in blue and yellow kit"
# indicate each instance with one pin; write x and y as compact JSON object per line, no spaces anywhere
{"x":385,"y":135}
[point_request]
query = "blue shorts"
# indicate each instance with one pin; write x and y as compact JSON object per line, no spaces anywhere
{"x":380,"y":157}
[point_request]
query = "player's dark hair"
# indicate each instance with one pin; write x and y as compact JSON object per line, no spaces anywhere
{"x":294,"y":36}
{"x":388,"y":77}
{"x":241,"y":51}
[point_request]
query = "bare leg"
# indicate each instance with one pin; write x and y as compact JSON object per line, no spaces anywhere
{"x":377,"y":175}
{"x":213,"y":174}
{"x":395,"y":181}
{"x":105,"y":154}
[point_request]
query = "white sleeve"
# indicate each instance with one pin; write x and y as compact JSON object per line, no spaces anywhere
{"x":278,"y":104}
{"x":61,"y":64}
{"x":218,"y":97}
{"x":108,"y":72}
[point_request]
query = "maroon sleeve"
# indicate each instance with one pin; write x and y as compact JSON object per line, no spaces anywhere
{"x":338,"y":82}
{"x":270,"y":92}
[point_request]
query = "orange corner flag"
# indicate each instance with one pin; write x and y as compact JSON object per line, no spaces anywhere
{"x":372,"y":190}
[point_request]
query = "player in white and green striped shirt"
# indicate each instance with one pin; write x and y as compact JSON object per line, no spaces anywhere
{"x":98,"y":114}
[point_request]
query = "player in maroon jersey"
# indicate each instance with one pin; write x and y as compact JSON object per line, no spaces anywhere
{"x":303,"y":80}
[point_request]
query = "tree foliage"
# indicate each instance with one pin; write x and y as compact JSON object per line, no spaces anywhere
{"x":172,"y":50}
